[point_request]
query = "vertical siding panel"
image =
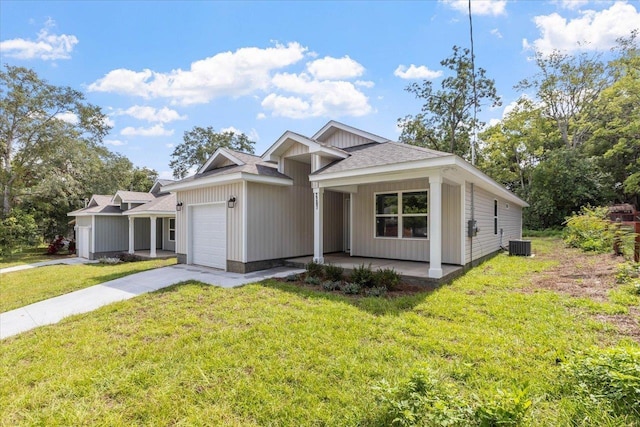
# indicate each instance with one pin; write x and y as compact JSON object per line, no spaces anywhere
{"x":342,"y":139}
{"x":111,"y":233}
{"x":333,"y":213}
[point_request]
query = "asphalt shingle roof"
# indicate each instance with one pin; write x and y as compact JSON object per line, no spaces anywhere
{"x":134,"y":196}
{"x":163,"y":203}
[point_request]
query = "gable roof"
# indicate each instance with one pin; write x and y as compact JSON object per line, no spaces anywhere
{"x":99,"y":200}
{"x":220,"y":157}
{"x":99,"y":204}
{"x":163,"y":204}
{"x":159,"y":184}
{"x":132,"y":197}
{"x":333,"y":126}
{"x":289,"y":138}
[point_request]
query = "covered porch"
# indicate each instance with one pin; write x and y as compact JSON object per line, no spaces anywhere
{"x":160,"y":254}
{"x":412,"y":272}
{"x":151,"y":236}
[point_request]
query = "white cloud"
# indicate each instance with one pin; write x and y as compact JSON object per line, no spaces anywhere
{"x":496,"y":32}
{"x":69,"y":117}
{"x":150,"y":114}
{"x":156,"y":130}
{"x":46,"y":46}
{"x":571,"y":4}
{"x":478,"y":7}
{"x":165,"y":175}
{"x":107,"y":121}
{"x":252,"y":134}
{"x":224,"y":74}
{"x":114,"y":142}
{"x":329,"y":68}
{"x":591,"y":31}
{"x":315,"y":98}
{"x":261,"y":116}
{"x":413,"y":72}
{"x":365,"y":83}
{"x":169,"y":145}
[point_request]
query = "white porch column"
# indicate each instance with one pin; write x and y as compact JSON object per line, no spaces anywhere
{"x":318,"y":251}
{"x":435,"y":227}
{"x":152,"y":250}
{"x":131,"y":235}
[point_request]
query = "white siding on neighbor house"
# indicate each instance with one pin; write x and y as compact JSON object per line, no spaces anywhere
{"x":509,"y":220}
{"x":111,"y":234}
{"x":219,"y":193}
{"x":365,"y":244}
{"x":342,"y":139}
{"x":167,"y":245}
{"x":333,"y":214}
{"x":280,"y":219}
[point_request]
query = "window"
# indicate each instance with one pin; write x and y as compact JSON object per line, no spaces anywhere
{"x":495,"y":217}
{"x":401,"y":214}
{"x":172,"y":229}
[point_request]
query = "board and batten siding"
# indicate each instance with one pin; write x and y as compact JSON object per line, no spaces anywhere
{"x":333,"y":219}
{"x":295,"y":150}
{"x":486,"y":241}
{"x":141,"y":234}
{"x":111,"y":233}
{"x":280,"y":218}
{"x":342,"y":139}
{"x":219,"y":193}
{"x":365,"y":244}
{"x":167,"y":245}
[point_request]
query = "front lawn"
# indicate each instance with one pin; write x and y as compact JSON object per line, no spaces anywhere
{"x":280,"y":355}
{"x":29,"y":256}
{"x":24,"y":287}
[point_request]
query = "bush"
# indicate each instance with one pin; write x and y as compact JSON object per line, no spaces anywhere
{"x":127,"y":257}
{"x":589,"y":230}
{"x":56,"y":246}
{"x":18,"y":230}
{"x":376,"y":291}
{"x":363,"y":276}
{"x":626,"y":272}
{"x":386,"y":278}
{"x":611,"y":375}
{"x":314,"y":269}
{"x":504,"y":409}
{"x":110,"y":261}
{"x":330,"y":285}
{"x":351,"y":288}
{"x":333,"y":272}
{"x":311,"y":280}
{"x":292,"y":278}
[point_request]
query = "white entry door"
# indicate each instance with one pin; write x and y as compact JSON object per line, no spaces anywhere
{"x":82,"y":245}
{"x":209,"y":235}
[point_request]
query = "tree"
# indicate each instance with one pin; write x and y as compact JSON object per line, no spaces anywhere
{"x":567,"y":87}
{"x":200,"y":143}
{"x":446,"y":121}
{"x":39,"y":125}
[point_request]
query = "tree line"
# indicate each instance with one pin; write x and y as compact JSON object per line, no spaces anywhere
{"x":571,"y":140}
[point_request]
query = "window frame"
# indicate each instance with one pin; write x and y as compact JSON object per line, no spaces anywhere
{"x":400,"y":215}
{"x":169,"y":230}
{"x":496,"y":211}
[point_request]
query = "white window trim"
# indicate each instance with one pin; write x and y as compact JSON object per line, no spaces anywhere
{"x":496,"y":213}
{"x":169,"y":230}
{"x":400,"y":215}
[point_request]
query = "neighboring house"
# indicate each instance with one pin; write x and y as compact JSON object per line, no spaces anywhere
{"x":129,"y":221}
{"x":342,"y":190}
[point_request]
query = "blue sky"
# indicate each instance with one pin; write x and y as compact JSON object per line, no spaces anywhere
{"x":160,"y":68}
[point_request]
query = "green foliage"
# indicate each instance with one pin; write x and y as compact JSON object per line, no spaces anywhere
{"x":312,"y":280}
{"x":589,"y":230}
{"x":362,"y":275}
{"x":18,"y":230}
{"x":503,"y":409}
{"x":314,"y":269}
{"x":610,"y":376}
{"x":109,"y":261}
{"x":386,"y":278}
{"x":351,"y":288}
{"x":627,"y":271}
{"x":446,"y":120}
{"x":547,"y":232}
{"x":333,"y":272}
{"x":375,"y":291}
{"x":200,"y":143}
{"x":330,"y":285}
{"x":292,"y":278}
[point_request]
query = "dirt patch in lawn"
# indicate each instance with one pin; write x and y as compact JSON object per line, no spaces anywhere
{"x":587,"y":275}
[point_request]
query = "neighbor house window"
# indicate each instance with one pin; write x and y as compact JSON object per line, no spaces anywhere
{"x":172,"y":229}
{"x":401,"y":214}
{"x":495,"y":217}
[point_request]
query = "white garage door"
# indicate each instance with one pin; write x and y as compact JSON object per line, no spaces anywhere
{"x":209,"y":235}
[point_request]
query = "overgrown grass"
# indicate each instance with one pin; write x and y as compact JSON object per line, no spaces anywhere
{"x":27,"y":256}
{"x":277,"y":354}
{"x":24,"y":287}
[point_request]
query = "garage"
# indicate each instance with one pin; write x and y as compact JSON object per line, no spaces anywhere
{"x":209,"y":235}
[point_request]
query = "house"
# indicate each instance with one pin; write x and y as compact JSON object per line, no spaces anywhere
{"x":129,"y":221}
{"x":341,"y":190}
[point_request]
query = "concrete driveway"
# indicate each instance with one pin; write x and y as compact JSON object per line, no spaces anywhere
{"x":53,"y":310}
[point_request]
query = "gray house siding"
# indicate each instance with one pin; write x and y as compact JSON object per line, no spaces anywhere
{"x":167,"y":245}
{"x":142,"y":234}
{"x":333,"y":215}
{"x":111,"y":234}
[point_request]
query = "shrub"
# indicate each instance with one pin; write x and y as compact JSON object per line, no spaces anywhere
{"x":72,"y":247}
{"x":110,"y":261}
{"x":611,"y":375}
{"x":363,"y":276}
{"x":351,"y":288}
{"x":386,"y":278}
{"x":311,"y":280}
{"x":292,"y":278}
{"x":127,"y":257}
{"x":330,"y":285}
{"x":504,"y":409}
{"x":636,"y":289}
{"x":18,"y":230}
{"x":589,"y":230}
{"x":314,"y":269}
{"x":333,"y":272}
{"x":56,"y":246}
{"x":627,"y":271}
{"x":376,"y":291}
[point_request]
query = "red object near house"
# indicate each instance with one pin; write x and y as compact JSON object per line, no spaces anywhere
{"x":626,"y":214}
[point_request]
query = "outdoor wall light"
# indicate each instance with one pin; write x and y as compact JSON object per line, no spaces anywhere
{"x":179,"y":206}
{"x":231,"y":203}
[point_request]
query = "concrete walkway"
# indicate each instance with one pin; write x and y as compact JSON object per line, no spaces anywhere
{"x":53,"y":310}
{"x":68,"y":261}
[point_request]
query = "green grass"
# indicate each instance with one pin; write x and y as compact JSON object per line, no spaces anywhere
{"x":20,"y":288}
{"x":28,"y":256}
{"x":278,"y":355}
